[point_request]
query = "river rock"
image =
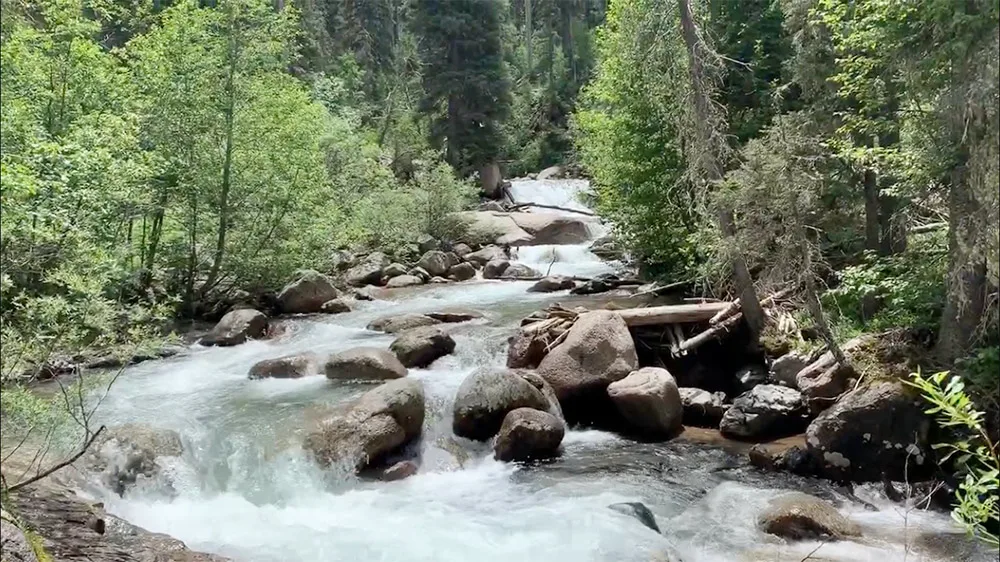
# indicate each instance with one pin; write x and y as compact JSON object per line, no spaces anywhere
{"x":335,"y":306}
{"x":637,"y":510}
{"x":307,"y":293}
{"x":435,"y":262}
{"x":394,"y":324}
{"x":597,"y":351}
{"x":701,"y":407}
{"x":551,"y":284}
{"x":461,"y":249}
{"x":419,"y":272}
{"x":380,"y":422}
{"x":237,"y":327}
{"x":494,"y":206}
{"x":486,"y":397}
{"x":495,"y":268}
{"x":875,"y":432}
{"x":490,"y":227}
{"x":748,"y":377}
{"x":517,"y":271}
{"x":364,"y":363}
{"x":426,"y":243}
{"x":766,"y":409}
{"x":824,"y":380}
{"x":368,"y":271}
{"x":404,"y":281}
{"x":525,"y":351}
{"x":799,"y":516}
{"x":527,"y":434}
{"x":462,"y":272}
{"x":394,"y":269}
{"x":485,"y":255}
{"x":540,"y":384}
{"x":553,"y":228}
{"x":784,"y":370}
{"x":399,"y":471}
{"x":367,"y":293}
{"x":649,"y":401}
{"x":128,"y":453}
{"x":421,"y":347}
{"x":599,"y":284}
{"x":439,"y":281}
{"x":455,"y":315}
{"x":551,"y":173}
{"x":14,"y":545}
{"x":607,"y":249}
{"x":287,"y":367}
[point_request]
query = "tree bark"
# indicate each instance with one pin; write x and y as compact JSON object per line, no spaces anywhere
{"x":670,"y":314}
{"x":750,"y":304}
{"x":870,"y":182}
{"x":528,"y":36}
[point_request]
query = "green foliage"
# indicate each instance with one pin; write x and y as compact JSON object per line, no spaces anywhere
{"x":975,"y":455}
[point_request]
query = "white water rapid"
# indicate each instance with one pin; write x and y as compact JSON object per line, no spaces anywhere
{"x":245,"y":489}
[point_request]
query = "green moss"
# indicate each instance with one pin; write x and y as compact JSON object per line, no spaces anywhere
{"x":38,"y":547}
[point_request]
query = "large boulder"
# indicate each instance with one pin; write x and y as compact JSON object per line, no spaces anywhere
{"x":487,"y":396}
{"x":540,"y":384}
{"x":394,"y":269}
{"x":368,"y":271}
{"x":701,"y":407}
{"x":128,"y":454}
{"x":404,"y":281}
{"x":434,"y":262}
{"x":485,"y":255}
{"x":551,"y":173}
{"x":307,"y":293}
{"x":528,"y":434}
{"x":287,"y":367}
{"x":825,"y":379}
{"x":799,"y":516}
{"x":394,"y":324}
{"x":765,"y":410}
{"x":380,"y":422}
{"x":517,"y":271}
{"x":489,"y":227}
{"x":649,"y":401}
{"x":495,"y":268}
{"x":597,"y":351}
{"x":421,"y":347}
{"x":461,"y":272}
{"x":785,"y":369}
{"x":419,"y":272}
{"x":336,"y":306}
{"x":364,"y":363}
{"x":461,"y":249}
{"x":525,"y":350}
{"x":874,"y":432}
{"x":551,"y":284}
{"x":237,"y":327}
{"x":553,"y":228}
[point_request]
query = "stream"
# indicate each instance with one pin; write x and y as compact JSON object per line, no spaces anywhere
{"x":245,"y":489}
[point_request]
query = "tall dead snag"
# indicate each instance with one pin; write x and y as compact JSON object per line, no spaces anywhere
{"x":708,"y":161}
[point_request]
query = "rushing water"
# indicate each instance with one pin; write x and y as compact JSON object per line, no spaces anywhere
{"x":245,"y":489}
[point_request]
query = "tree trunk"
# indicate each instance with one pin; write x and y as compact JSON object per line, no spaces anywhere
{"x":227,"y":167}
{"x":750,"y":304}
{"x":870,"y":182}
{"x":528,"y":36}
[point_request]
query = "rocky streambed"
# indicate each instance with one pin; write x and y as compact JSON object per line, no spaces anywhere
{"x":393,"y":429}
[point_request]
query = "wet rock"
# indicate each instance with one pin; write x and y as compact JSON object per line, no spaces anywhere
{"x":799,"y":516}
{"x":875,"y":432}
{"x":421,"y":347}
{"x":607,"y":249}
{"x":553,"y":228}
{"x":551,"y":173}
{"x":426,"y":243}
{"x":287,"y":367}
{"x":648,"y":400}
{"x":637,"y":510}
{"x":435,"y":262}
{"x":490,"y":227}
{"x":438,"y":281}
{"x":767,"y":409}
{"x":455,"y":315}
{"x":394,"y":324}
{"x":517,"y":271}
{"x":528,"y":434}
{"x":399,"y":471}
{"x":462,"y":272}
{"x":485,"y":255}
{"x":600,"y":284}
{"x":486,"y":397}
{"x":419,"y":272}
{"x":701,"y":407}
{"x":380,"y":422}
{"x":545,"y":388}
{"x":551,"y":284}
{"x":824,"y":380}
{"x":307,"y":293}
{"x":126,"y":454}
{"x":597,"y":351}
{"x":335,"y":306}
{"x":495,"y":268}
{"x":749,"y":377}
{"x":237,"y":327}
{"x":394,"y":269}
{"x":461,"y":249}
{"x":784,"y":370}
{"x":525,"y":351}
{"x":368,"y":271}
{"x":404,"y":281}
{"x":364,"y":363}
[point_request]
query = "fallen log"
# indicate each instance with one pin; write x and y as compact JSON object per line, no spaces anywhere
{"x":670,"y":314}
{"x":520,"y":206}
{"x":709,"y":334}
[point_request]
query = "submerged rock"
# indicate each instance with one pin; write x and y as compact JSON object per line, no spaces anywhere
{"x":364,"y":363}
{"x":399,"y":471}
{"x":128,"y":453}
{"x":287,"y":367}
{"x":307,"y":293}
{"x":486,"y":397}
{"x":799,"y":516}
{"x":637,"y":510}
{"x":395,"y":324}
{"x":421,"y":347}
{"x":381,"y":421}
{"x":237,"y":327}
{"x":455,"y":315}
{"x":649,"y":401}
{"x":701,"y":407}
{"x":767,"y":409}
{"x":551,"y":284}
{"x":528,"y":434}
